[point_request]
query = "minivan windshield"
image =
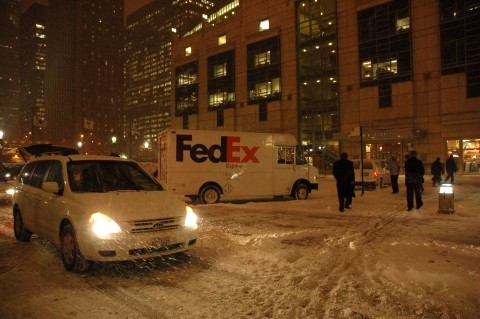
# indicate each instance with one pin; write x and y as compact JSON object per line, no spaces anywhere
{"x":107,"y":176}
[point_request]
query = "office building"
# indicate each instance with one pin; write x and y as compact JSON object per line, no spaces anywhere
{"x":9,"y":71}
{"x":405,"y":75}
{"x":84,"y":74}
{"x":149,"y":35}
{"x":33,"y":44}
{"x":410,"y":78}
{"x":270,"y":67}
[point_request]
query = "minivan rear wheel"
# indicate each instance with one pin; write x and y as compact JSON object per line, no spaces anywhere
{"x":21,"y":233}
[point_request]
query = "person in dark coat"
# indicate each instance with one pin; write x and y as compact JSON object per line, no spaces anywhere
{"x":414,"y":172}
{"x":345,"y":177}
{"x":451,"y":168}
{"x":437,"y":171}
{"x":394,"y":168}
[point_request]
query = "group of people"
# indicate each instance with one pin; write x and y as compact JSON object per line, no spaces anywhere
{"x":344,"y":174}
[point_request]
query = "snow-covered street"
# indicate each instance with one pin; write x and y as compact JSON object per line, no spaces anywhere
{"x":274,"y":259}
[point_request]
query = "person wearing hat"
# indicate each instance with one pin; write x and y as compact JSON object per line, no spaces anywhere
{"x":437,"y":171}
{"x":345,"y":177}
{"x":414,"y":172}
{"x":451,"y":168}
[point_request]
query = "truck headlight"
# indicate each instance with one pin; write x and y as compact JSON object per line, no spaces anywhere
{"x":103,"y":225}
{"x":191,"y":218}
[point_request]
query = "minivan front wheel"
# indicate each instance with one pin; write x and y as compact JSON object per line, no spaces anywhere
{"x":71,"y":255}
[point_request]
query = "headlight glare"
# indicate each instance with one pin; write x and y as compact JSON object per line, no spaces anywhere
{"x":103,"y":225}
{"x":190,"y":218}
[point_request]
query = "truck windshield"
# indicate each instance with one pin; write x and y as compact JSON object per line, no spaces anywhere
{"x":300,"y":158}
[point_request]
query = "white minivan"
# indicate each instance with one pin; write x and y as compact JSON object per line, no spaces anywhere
{"x":98,"y":208}
{"x":375,"y":173}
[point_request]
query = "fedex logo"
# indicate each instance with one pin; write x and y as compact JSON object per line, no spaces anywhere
{"x":229,"y":150}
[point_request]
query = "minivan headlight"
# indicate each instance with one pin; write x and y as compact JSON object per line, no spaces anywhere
{"x":190,"y":218}
{"x":103,"y":225}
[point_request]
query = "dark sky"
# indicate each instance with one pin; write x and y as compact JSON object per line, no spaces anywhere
{"x":130,"y":5}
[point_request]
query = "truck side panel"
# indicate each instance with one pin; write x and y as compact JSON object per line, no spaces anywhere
{"x":243,"y":164}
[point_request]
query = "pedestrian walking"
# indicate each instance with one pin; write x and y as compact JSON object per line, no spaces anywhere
{"x":345,"y":177}
{"x":394,"y":168}
{"x":451,"y":168}
{"x":414,"y":172}
{"x":437,"y":172}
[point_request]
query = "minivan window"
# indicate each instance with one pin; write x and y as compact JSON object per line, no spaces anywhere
{"x":105,"y":176}
{"x":26,"y":174}
{"x":55,"y":174}
{"x":39,"y":174}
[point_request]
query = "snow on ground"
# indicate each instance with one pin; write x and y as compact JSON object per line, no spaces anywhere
{"x":274,"y":259}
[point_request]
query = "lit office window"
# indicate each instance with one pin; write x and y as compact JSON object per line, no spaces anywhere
{"x":222,"y":39}
{"x":188,"y":51}
{"x":262,"y":58}
{"x":264,"y":25}
{"x":220,"y":70}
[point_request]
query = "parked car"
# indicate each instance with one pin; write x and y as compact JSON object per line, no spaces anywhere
{"x":99,"y":208}
{"x":375,"y":173}
{"x":11,"y":171}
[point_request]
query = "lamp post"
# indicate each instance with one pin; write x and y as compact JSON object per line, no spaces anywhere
{"x":114,"y":143}
{"x":2,"y":174}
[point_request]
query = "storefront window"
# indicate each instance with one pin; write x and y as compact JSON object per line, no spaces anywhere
{"x":471,"y":155}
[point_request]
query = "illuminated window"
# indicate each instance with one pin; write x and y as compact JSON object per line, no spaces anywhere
{"x":188,"y":51}
{"x":262,"y":58}
{"x":220,"y":98}
{"x":265,"y":89}
{"x":381,"y":69}
{"x":403,"y":24}
{"x":264,"y":25}
{"x":220,"y":70}
{"x":222,"y":39}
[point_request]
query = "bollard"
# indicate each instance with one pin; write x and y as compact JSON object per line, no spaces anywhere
{"x":445,"y":199}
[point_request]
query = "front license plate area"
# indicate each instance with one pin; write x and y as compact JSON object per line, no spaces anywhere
{"x":160,"y":241}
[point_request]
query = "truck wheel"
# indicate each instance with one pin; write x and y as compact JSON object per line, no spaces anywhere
{"x":301,"y":191}
{"x":71,"y":256}
{"x":209,"y":195}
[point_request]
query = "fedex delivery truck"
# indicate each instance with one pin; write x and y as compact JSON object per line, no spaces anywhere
{"x":210,"y":166}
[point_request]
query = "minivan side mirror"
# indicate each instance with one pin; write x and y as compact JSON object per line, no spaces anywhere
{"x":50,"y":187}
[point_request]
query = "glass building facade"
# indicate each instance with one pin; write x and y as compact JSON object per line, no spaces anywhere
{"x":318,"y":80}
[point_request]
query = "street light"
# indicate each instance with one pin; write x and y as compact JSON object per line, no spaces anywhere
{"x":114,"y":141}
{"x":1,"y":156}
{"x":80,"y":144}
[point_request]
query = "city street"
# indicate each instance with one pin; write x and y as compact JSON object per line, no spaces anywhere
{"x":280,"y":259}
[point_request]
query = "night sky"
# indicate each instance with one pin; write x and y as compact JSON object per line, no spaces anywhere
{"x":130,"y":5}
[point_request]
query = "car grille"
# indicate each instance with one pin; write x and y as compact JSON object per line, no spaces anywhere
{"x":154,"y":225}
{"x":151,"y":250}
